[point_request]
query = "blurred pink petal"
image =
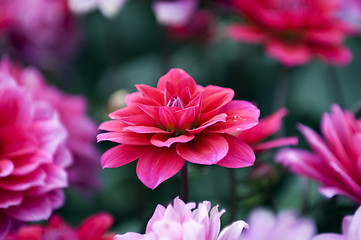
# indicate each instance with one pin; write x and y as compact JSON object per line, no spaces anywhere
{"x":334,"y":159}
{"x":266,"y":127}
{"x":95,"y":227}
{"x":176,"y":122}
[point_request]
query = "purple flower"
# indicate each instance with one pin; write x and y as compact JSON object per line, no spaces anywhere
{"x":264,"y":225}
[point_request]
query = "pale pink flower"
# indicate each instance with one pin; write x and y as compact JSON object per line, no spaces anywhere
{"x":71,"y":110}
{"x":286,"y":225}
{"x":33,"y":156}
{"x":350,"y":229}
{"x":174,"y":13}
{"x":266,"y":127}
{"x":335,"y":159}
{"x":176,"y":122}
{"x":182,"y":221}
{"x":108,"y":8}
{"x":94,"y":227}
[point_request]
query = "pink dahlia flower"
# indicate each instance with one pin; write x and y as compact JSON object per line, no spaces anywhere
{"x":335,"y":157}
{"x":93,"y":228}
{"x":266,"y":127}
{"x":294,"y":30}
{"x":40,"y":31}
{"x":176,"y":122}
{"x":83,"y":172}
{"x":182,"y":221}
{"x":350,"y":229}
{"x":33,"y":158}
{"x":264,"y":225}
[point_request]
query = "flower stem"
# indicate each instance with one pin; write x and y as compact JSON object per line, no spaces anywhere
{"x":282,"y":87}
{"x":335,"y":85}
{"x":184,"y":182}
{"x":233,"y":195}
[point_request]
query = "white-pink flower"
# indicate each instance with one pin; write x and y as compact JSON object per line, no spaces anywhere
{"x":182,"y":221}
{"x":351,"y":229}
{"x":108,"y":8}
{"x":287,"y":225}
{"x":33,"y":156}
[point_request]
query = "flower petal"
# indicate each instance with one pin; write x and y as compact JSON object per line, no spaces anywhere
{"x":233,"y":232}
{"x":280,"y":142}
{"x":241,"y":115}
{"x":4,"y":225}
{"x":289,"y":55}
{"x":157,"y":165}
{"x":205,"y":148}
{"x":245,"y":33}
{"x":94,"y":227}
{"x":6,"y":167}
{"x":120,"y":155}
{"x":179,"y":78}
{"x":166,"y":140}
{"x":144,"y":129}
{"x":129,"y":138}
{"x":239,"y":154}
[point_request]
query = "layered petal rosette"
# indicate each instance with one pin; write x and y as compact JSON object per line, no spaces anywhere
{"x":335,"y":159}
{"x":294,"y":31}
{"x":350,"y":229}
{"x":72,"y":112}
{"x":33,"y":156}
{"x":286,"y":225}
{"x":183,"y":221}
{"x":267,"y":126}
{"x":176,"y":122}
{"x":94,"y":227}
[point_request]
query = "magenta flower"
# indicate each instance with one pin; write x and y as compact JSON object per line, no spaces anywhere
{"x":33,"y":156}
{"x":42,"y":32}
{"x":176,"y":122}
{"x":94,"y":227}
{"x":182,"y":221}
{"x":294,"y":31}
{"x":83,"y":172}
{"x":335,"y":157}
{"x":350,"y":229}
{"x":266,"y":127}
{"x":264,"y":225}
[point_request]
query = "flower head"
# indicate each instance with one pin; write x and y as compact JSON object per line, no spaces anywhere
{"x":176,"y":122}
{"x":294,"y":30}
{"x":95,"y":227}
{"x":182,"y":221}
{"x":40,"y":31}
{"x":71,"y":111}
{"x":266,"y":127}
{"x":350,"y":229}
{"x":264,"y":225}
{"x":335,"y":157}
{"x":33,"y":156}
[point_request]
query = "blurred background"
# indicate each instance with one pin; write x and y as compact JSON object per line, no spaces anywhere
{"x":110,"y":55}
